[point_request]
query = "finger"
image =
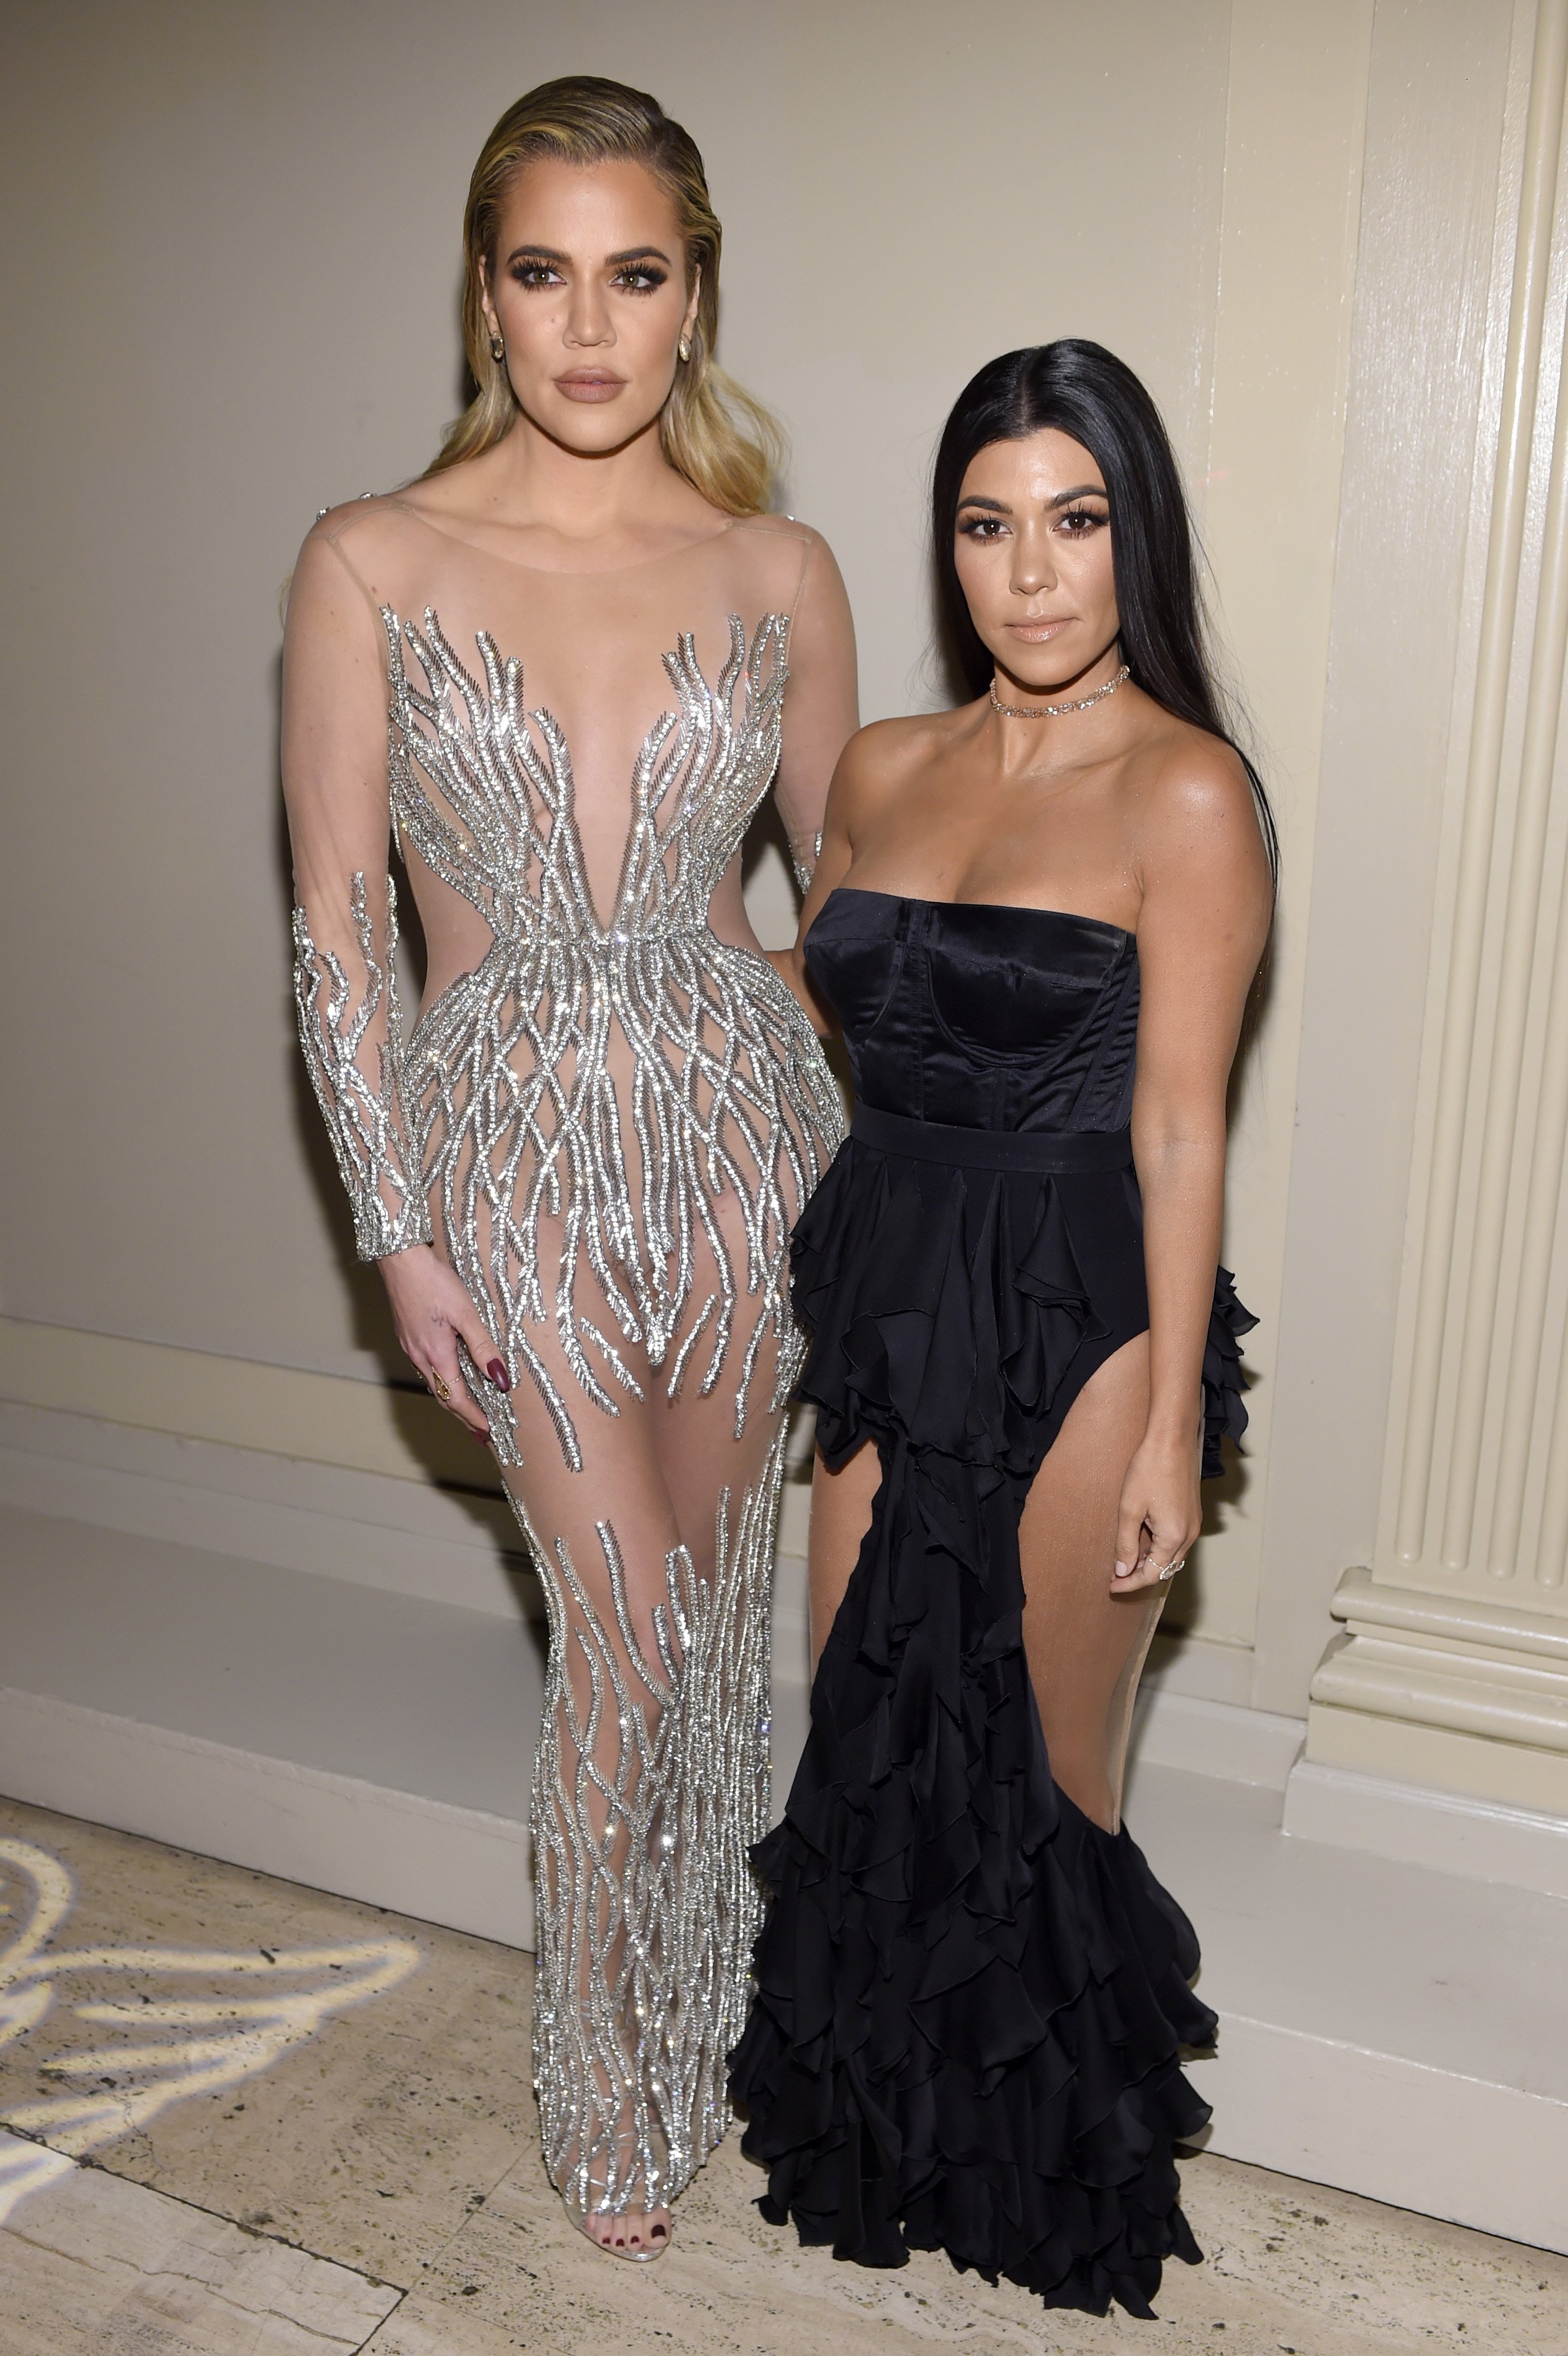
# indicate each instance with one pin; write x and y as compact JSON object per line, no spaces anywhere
{"x":480,"y":1345}
{"x":1166,"y":1557}
{"x":1131,"y":1543}
{"x":459,"y":1399}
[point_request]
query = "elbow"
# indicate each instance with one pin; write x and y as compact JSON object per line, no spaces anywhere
{"x":1166,"y":1147}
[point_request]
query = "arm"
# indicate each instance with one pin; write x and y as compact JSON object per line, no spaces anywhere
{"x":1201,"y":932}
{"x":345,"y":934}
{"x":834,"y":854}
{"x":821,"y":708}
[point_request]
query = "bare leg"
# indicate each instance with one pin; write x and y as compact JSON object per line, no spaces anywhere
{"x":1086,"y":1646}
{"x":840,"y":1515}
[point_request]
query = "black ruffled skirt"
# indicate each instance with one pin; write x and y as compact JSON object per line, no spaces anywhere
{"x":970,"y":1998}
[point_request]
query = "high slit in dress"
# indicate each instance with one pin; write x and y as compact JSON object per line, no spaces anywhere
{"x":970,"y":1997}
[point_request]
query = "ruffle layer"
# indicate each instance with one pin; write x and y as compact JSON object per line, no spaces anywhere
{"x":967,"y":1307}
{"x":971,"y":1998}
{"x":1224,"y":1412}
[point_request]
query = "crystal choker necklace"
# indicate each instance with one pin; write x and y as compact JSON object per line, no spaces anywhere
{"x":1055,"y":711}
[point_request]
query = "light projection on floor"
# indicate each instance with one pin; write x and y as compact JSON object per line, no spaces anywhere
{"x":190,"y":2020}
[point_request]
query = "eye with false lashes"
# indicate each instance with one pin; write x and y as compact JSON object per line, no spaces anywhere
{"x":633,"y":277}
{"x":1073,"y":523}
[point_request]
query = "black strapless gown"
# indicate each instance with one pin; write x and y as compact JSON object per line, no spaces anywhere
{"x":970,"y":1998}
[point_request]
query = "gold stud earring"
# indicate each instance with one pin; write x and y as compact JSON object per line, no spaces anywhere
{"x":497,"y":350}
{"x":684,"y":345}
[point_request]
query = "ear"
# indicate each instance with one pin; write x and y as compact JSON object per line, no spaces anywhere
{"x":692,"y":299}
{"x":486,"y":305}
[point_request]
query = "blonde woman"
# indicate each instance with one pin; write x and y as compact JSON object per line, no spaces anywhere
{"x":578,"y":1175}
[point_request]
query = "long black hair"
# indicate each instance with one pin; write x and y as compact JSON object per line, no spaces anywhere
{"x":1082,"y":390}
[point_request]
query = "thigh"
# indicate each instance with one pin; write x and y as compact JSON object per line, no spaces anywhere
{"x":657,"y":1472}
{"x":615,"y":1504}
{"x":714,"y":1445}
{"x":840,"y":1515}
{"x":1085,"y":1644}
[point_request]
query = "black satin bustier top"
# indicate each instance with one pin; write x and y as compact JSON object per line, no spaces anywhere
{"x":980,"y":1016}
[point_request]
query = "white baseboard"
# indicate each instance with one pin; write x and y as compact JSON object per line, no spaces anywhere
{"x":1452,"y":1832}
{"x":1215,"y":1737}
{"x":415,"y":1856}
{"x":451,"y":1545}
{"x":406,"y":1538}
{"x":1199,"y":1665}
{"x":1483,"y":2155}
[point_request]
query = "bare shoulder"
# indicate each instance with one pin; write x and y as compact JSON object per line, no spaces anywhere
{"x":1195,"y":789}
{"x":881,"y":759}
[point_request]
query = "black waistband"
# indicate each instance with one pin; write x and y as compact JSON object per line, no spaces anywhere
{"x":1049,"y":1151}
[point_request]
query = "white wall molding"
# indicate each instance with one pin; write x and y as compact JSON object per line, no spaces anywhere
{"x":1453,"y":1831}
{"x":1467,"y":1695}
{"x":1492,"y":956}
{"x":420,"y":1857}
{"x":1487,"y":2156}
{"x":401,"y":1530}
{"x":374,"y":1530}
{"x":1453,"y":1666}
{"x":239,"y":1403}
{"x":1216,"y":1739}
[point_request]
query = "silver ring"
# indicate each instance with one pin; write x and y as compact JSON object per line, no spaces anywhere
{"x":1171,"y":1568}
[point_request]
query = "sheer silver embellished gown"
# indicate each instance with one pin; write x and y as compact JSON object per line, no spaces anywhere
{"x":606,"y":1117}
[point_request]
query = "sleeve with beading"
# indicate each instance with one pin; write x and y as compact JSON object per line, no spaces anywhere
{"x":345,"y":918}
{"x":351,"y":1032}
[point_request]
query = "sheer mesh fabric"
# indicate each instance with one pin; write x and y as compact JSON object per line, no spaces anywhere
{"x":611,"y":1110}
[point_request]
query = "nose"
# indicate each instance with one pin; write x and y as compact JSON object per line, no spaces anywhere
{"x":588,"y":315}
{"x":1034,"y":569}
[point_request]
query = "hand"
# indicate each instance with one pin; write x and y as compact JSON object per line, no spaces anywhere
{"x":433,"y":1311}
{"x":1160,"y":1513}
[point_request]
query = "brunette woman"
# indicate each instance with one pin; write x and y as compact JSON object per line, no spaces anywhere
{"x":1037,"y":919}
{"x":597,"y":651}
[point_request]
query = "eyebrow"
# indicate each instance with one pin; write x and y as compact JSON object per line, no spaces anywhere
{"x":554,"y":254}
{"x":1060,"y":499}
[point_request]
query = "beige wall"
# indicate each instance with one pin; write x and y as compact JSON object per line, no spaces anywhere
{"x":235,"y":303}
{"x":271,"y":200}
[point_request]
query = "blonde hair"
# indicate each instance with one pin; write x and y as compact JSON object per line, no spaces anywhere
{"x":723,"y":443}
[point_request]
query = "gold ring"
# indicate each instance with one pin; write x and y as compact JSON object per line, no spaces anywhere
{"x":439,"y":1388}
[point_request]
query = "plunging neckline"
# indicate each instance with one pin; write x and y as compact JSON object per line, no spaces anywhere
{"x":744,"y":648}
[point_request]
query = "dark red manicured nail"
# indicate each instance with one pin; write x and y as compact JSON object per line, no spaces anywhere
{"x":499,"y":1374}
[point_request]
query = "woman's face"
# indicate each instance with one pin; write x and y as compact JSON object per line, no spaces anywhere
{"x":588,"y":293}
{"x":1033,"y":549}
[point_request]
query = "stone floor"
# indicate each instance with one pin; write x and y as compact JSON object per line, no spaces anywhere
{"x":306,"y":2127}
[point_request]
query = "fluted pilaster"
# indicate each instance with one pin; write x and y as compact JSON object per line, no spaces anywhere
{"x":1453,"y":1666}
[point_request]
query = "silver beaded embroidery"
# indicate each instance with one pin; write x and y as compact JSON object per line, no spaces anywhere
{"x":650,"y":1784}
{"x":368,"y":1125}
{"x":514,"y":1103}
{"x":648,"y":1798}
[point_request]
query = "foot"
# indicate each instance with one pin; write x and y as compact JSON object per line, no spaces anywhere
{"x":631,"y":2233}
